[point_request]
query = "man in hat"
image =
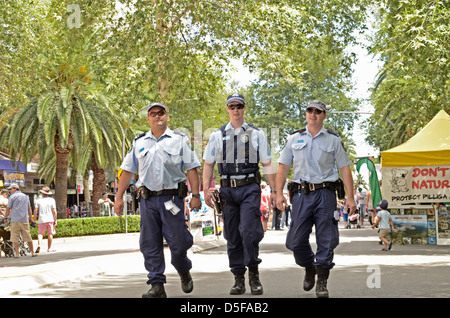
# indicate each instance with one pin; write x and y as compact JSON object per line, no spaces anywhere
{"x":317,"y":154}
{"x":46,"y":209}
{"x":20,"y":209}
{"x":238,"y":147}
{"x":161,"y":155}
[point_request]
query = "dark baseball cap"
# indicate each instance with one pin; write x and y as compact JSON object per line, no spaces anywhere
{"x":156,"y":105}
{"x":236,"y":98}
{"x":383,"y":204}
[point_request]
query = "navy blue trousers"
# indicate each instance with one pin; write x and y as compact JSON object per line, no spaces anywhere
{"x":315,"y":208}
{"x":242,"y":226}
{"x":156,"y":223}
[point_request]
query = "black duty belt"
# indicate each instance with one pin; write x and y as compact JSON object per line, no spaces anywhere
{"x":234,"y":183}
{"x":146,"y":193}
{"x":307,"y":187}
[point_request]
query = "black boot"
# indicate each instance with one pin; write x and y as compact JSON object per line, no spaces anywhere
{"x":255,"y":285}
{"x":187,"y":285}
{"x":321,"y":288}
{"x":239,"y":285}
{"x":310,"y":278}
{"x":157,"y":291}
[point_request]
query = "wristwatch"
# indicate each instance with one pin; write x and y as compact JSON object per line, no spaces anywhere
{"x":273,"y":190}
{"x":196,"y":195}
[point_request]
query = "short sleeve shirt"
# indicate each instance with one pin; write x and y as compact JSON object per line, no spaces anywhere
{"x":384,"y":219}
{"x":19,"y":202}
{"x":45,"y":206}
{"x":315,"y":159}
{"x":160,"y":162}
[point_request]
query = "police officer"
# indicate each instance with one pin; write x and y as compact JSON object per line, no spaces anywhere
{"x":238,"y":147}
{"x":317,"y":154}
{"x":161,"y":155}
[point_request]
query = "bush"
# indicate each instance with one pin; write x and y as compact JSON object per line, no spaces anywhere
{"x":93,"y":226}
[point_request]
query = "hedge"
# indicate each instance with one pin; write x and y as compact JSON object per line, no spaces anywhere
{"x":92,"y":226}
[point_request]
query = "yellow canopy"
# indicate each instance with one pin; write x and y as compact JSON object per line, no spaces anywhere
{"x":430,"y":146}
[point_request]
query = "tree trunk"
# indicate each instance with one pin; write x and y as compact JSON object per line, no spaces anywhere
{"x":62,"y":160}
{"x":99,"y":185}
{"x":62,"y":165}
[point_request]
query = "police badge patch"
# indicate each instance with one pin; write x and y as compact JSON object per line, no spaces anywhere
{"x":244,"y":138}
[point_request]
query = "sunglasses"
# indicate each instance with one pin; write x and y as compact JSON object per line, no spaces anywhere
{"x":314,"y":110}
{"x":159,"y":113}
{"x":239,"y":106}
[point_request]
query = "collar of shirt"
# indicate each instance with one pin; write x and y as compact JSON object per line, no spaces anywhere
{"x":321,"y":131}
{"x":230,"y":127}
{"x":167,"y":133}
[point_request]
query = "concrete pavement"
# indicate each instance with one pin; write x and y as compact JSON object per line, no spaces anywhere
{"x":111,"y":266}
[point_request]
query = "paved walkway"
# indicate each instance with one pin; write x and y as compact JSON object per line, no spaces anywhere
{"x":408,"y":270}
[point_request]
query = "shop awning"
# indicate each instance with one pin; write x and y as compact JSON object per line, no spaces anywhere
{"x":430,"y":146}
{"x":5,"y":164}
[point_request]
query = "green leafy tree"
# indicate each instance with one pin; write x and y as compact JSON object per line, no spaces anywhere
{"x":413,"y":85}
{"x":65,"y":118}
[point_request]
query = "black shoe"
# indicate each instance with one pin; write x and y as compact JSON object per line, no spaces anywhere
{"x":187,"y":285}
{"x":157,"y":291}
{"x":255,"y":285}
{"x":321,"y":288}
{"x":239,"y":285}
{"x":310,"y":278}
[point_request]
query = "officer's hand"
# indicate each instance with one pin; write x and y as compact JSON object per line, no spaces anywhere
{"x":195,"y":203}
{"x":208,"y":199}
{"x":118,"y":206}
{"x":350,"y":204}
{"x":273,"y":200}
{"x":281,"y":202}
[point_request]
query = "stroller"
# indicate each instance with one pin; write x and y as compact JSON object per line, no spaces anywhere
{"x":7,"y":246}
{"x":352,"y":220}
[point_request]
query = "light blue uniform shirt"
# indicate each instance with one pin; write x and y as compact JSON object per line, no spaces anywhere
{"x":161,"y":162}
{"x":316,"y":159}
{"x":19,"y":202}
{"x":215,"y":145}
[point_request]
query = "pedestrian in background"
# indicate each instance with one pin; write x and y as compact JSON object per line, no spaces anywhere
{"x":385,"y":224}
{"x":105,"y":205}
{"x":316,"y":154}
{"x":238,"y":147}
{"x":3,"y":202}
{"x":161,"y":155}
{"x":47,"y":218}
{"x":20,"y":209}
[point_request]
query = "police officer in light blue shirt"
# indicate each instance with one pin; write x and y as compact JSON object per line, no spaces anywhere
{"x":161,"y":156}
{"x":237,"y":148}
{"x":316,"y":155}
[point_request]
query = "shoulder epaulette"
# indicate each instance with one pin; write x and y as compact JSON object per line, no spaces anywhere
{"x":141,"y":135}
{"x":253,"y":126}
{"x":299,"y":131}
{"x":179,"y":133}
{"x":333,"y":133}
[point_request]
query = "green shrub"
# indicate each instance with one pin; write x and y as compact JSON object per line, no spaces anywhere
{"x":93,"y":226}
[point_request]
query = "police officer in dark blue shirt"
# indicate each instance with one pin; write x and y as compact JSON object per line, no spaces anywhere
{"x":237,"y":148}
{"x":317,"y":154}
{"x":161,"y":155}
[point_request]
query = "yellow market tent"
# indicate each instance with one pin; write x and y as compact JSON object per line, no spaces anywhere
{"x":430,"y":146}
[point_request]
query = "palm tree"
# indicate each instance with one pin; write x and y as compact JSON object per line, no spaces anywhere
{"x":65,"y":124}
